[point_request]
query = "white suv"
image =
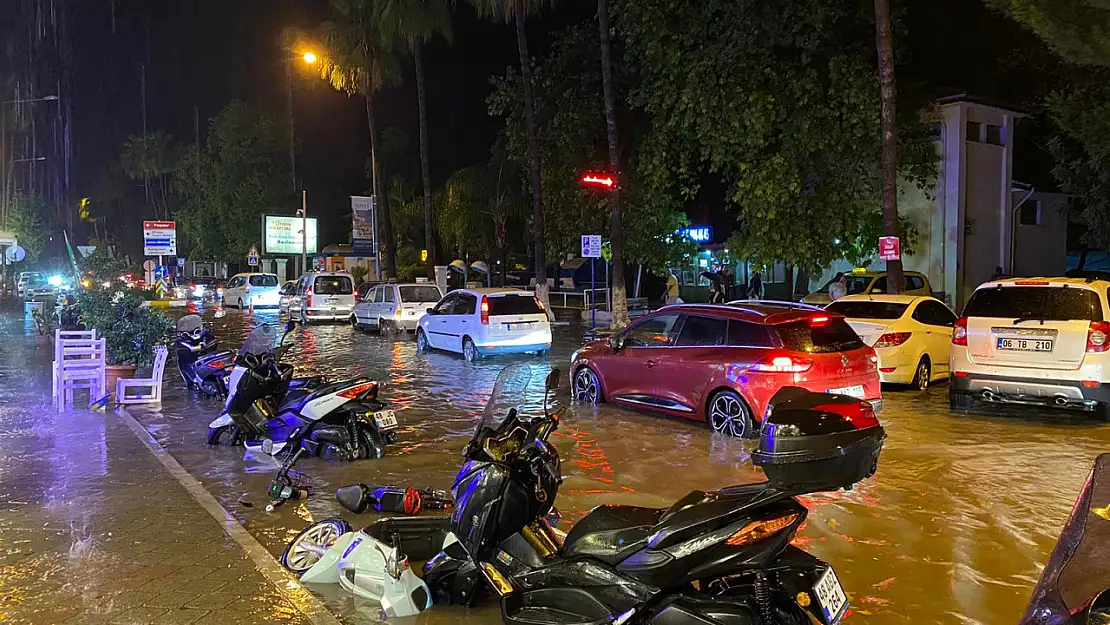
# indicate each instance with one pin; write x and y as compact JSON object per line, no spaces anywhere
{"x":1034,"y":341}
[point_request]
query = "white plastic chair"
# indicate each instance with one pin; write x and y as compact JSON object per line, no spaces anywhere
{"x":153,"y":384}
{"x":80,"y":365}
{"x":59,"y":337}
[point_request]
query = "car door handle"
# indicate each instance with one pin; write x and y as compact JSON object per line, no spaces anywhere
{"x":651,"y":363}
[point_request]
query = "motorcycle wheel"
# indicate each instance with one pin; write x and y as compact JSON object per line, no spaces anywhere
{"x":371,"y":446}
{"x":224,"y":435}
{"x":309,"y":546}
{"x":210,"y":386}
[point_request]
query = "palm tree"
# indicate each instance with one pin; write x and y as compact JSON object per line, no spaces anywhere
{"x":518,"y":11}
{"x":412,"y":23}
{"x":885,"y":43}
{"x":616,"y":224}
{"x":357,"y":61}
{"x":151,"y":157}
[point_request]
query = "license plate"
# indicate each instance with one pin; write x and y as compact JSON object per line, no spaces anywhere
{"x":518,"y":326}
{"x":831,"y":597}
{"x":385,"y":419}
{"x":1025,"y":345}
{"x":851,"y":391}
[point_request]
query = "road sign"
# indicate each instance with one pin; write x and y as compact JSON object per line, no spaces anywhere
{"x":15,"y":254}
{"x":591,"y":246}
{"x":252,"y":261}
{"x":148,"y":265}
{"x":180,"y":261}
{"x":159,"y":238}
{"x":890,"y":248}
{"x":161,"y":272}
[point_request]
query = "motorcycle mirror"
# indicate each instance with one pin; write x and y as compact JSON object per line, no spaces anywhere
{"x":552,"y":381}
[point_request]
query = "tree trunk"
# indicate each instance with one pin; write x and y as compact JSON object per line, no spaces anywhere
{"x":619,"y":303}
{"x":381,"y":198}
{"x":425,"y":166}
{"x":539,"y":237}
{"x":885,"y":43}
{"x":1083,"y":257}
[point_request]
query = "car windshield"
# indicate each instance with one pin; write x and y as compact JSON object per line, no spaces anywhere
{"x":868,"y":310}
{"x":260,"y":341}
{"x":509,"y":392}
{"x":1035,"y":302}
{"x":420,"y":294}
{"x":263,"y":280}
{"x":333,"y":285}
{"x":513,"y":305}
{"x":834,"y":335}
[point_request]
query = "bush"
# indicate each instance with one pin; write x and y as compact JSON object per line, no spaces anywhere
{"x":130,"y":330}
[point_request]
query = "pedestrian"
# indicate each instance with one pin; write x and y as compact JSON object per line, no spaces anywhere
{"x":839,"y":287}
{"x":715,"y":294}
{"x":730,"y":283}
{"x":670,"y":296}
{"x":755,"y":286}
{"x":997,"y":275}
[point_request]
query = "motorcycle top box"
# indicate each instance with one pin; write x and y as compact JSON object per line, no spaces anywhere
{"x":813,"y":442}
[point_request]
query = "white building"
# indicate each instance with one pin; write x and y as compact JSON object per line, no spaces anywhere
{"x":977,"y":217}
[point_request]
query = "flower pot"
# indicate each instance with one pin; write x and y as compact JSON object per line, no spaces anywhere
{"x":115,"y":372}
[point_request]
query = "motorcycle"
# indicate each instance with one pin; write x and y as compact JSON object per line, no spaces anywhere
{"x":720,"y":557}
{"x":201,"y":366}
{"x":270,"y":412}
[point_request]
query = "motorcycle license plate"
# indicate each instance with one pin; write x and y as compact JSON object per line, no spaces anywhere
{"x":830,"y":596}
{"x":385,"y":420}
{"x":851,"y":391}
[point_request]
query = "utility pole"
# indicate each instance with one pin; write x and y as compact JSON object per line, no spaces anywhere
{"x":289,"y":111}
{"x":304,"y":231}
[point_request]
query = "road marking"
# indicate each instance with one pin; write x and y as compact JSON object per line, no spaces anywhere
{"x":289,"y":587}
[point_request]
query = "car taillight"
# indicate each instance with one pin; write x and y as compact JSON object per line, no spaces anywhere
{"x":539,"y":304}
{"x":356,"y":392}
{"x":818,"y":320}
{"x":892,"y":339}
{"x":1097,"y":336}
{"x":485,"y":311}
{"x":783,"y":363}
{"x":872,"y":355}
{"x":308,"y":298}
{"x":959,"y":332}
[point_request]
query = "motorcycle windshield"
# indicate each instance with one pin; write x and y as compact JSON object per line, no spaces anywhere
{"x":509,"y":392}
{"x":1078,"y":569}
{"x":189,"y":323}
{"x":261,"y":341}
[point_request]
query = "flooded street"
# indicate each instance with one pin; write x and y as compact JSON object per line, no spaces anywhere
{"x":954,"y":527}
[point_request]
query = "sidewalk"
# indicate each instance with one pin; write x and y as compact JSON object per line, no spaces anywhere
{"x":97,"y":528}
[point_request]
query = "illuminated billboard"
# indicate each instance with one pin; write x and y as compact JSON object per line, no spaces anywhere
{"x":282,"y":235}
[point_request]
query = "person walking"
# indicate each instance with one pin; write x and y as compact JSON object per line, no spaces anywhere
{"x":730,"y":283}
{"x":670,"y":296}
{"x":839,"y":287}
{"x":755,"y":286}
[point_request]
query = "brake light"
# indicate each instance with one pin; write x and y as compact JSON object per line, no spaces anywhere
{"x":356,"y":392}
{"x":783,"y":364}
{"x":1097,"y":336}
{"x":539,"y":304}
{"x":308,"y":297}
{"x":485,"y":311}
{"x":758,"y":530}
{"x":819,"y":320}
{"x":872,"y":355}
{"x":959,"y":332}
{"x":892,"y":339}
{"x":1031,"y":283}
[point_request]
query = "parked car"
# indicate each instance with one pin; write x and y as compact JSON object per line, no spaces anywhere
{"x":483,"y":322}
{"x":395,"y":306}
{"x":911,"y":334}
{"x":873,"y":282}
{"x":723,"y":363}
{"x":28,"y":280}
{"x":324,"y":296}
{"x":245,"y":290}
{"x":1034,"y":341}
{"x":287,"y":294}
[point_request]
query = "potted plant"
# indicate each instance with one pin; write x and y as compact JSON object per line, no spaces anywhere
{"x":129,"y":329}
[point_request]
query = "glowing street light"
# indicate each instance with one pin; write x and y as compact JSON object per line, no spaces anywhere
{"x":310,"y":58}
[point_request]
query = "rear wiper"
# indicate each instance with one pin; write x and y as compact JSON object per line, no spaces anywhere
{"x":1021,"y":320}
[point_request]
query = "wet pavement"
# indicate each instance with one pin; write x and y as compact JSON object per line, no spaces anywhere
{"x":954,"y":527}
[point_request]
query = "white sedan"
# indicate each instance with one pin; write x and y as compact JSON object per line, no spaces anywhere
{"x":912,"y":334}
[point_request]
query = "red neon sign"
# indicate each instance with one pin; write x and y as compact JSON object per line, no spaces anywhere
{"x":599,"y":180}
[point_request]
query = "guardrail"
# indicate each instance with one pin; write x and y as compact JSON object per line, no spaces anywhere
{"x":580,"y":300}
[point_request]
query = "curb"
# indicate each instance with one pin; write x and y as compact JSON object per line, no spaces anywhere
{"x":287,"y":586}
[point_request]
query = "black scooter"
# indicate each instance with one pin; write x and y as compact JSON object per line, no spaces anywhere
{"x":201,"y":366}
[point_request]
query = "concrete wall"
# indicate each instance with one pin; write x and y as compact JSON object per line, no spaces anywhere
{"x":1041,"y":249}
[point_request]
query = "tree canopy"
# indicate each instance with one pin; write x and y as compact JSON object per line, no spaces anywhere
{"x":1078,"y":30}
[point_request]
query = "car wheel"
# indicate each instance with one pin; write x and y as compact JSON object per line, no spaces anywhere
{"x":354,"y":322}
{"x":309,"y":546}
{"x":960,"y":401}
{"x":728,"y":414}
{"x":240,"y":305}
{"x":924,"y":374}
{"x":421,"y":341}
{"x":587,"y":388}
{"x":470,"y":351}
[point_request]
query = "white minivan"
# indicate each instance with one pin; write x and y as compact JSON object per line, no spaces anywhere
{"x":395,"y":306}
{"x":324,"y":296}
{"x":245,"y":290}
{"x":482,"y":322}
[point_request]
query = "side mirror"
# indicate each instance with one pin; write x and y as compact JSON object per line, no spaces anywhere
{"x":430,"y":311}
{"x":552,"y":381}
{"x":616,"y":343}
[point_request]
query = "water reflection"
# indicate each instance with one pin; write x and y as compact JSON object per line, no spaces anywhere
{"x":953,"y":528}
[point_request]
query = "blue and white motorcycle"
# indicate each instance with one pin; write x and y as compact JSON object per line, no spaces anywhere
{"x":270,"y":412}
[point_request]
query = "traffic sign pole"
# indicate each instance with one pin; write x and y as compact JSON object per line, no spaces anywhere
{"x":593,"y":298}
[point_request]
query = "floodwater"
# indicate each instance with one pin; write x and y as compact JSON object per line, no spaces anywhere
{"x":954,"y":527}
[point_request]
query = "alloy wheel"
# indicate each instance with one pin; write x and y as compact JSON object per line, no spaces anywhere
{"x":421,"y":341}
{"x":924,"y":372}
{"x":728,"y":414}
{"x":470,"y":352}
{"x":586,"y":387}
{"x":307,"y":548}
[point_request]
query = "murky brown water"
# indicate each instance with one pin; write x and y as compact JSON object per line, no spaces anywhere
{"x":954,"y":528}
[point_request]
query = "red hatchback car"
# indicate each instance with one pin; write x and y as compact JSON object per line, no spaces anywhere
{"x":723,"y":363}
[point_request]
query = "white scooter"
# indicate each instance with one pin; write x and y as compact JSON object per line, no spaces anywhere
{"x":269,"y":412}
